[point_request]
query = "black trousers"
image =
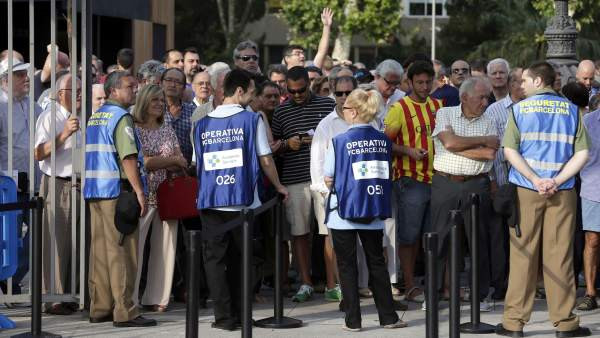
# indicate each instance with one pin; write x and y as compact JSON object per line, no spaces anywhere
{"x":447,"y":195}
{"x":499,"y":252}
{"x":222,"y":262}
{"x":344,"y":244}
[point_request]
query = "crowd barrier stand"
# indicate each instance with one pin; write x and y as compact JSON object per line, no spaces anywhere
{"x":430,"y":241}
{"x":475,"y":325}
{"x":246,"y":220}
{"x":456,"y":221}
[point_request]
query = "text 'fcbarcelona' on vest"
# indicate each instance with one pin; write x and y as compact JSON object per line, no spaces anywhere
{"x":366,"y":146}
{"x":547,"y":124}
{"x":223,"y":136}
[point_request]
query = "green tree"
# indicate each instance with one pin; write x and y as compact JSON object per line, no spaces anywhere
{"x":513,"y":29}
{"x":376,"y":20}
{"x":583,"y":11}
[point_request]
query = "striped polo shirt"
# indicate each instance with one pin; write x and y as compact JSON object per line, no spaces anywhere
{"x":291,"y":119}
{"x":410,"y":124}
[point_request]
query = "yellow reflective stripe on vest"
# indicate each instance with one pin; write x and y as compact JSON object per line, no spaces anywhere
{"x":102,"y":174}
{"x":107,"y":148}
{"x":540,"y":165}
{"x":549,"y":137}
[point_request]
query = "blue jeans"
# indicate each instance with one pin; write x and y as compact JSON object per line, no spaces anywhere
{"x":413,"y":216}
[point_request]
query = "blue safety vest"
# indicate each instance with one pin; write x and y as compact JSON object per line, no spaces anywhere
{"x":362,"y":181}
{"x":548,"y":125}
{"x":226,"y":160}
{"x":102,"y":173}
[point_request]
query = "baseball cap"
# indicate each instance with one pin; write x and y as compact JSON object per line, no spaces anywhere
{"x":17,"y":66}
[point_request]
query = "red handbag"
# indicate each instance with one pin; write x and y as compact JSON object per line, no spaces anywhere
{"x":176,"y":198}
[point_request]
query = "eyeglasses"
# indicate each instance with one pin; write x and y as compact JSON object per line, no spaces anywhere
{"x":460,"y":70}
{"x":175,"y":81}
{"x":391,"y":83}
{"x":340,"y":93}
{"x":346,"y":108}
{"x":297,"y":91}
{"x":247,"y":58}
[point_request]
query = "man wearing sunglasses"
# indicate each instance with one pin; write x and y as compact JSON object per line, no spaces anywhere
{"x":294,"y":122}
{"x":460,"y":72}
{"x":245,"y":56}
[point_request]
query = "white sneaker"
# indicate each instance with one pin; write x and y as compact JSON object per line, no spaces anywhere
{"x":345,"y":328}
{"x":485,"y":306}
{"x":424,"y":306}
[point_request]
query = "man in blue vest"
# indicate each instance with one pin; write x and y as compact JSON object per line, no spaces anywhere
{"x":111,"y":168}
{"x":231,"y":148}
{"x":546,"y":144}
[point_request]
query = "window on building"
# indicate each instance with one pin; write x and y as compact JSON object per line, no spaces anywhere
{"x":424,"y":7}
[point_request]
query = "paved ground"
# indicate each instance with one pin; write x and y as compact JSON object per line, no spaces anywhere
{"x":321,"y":319}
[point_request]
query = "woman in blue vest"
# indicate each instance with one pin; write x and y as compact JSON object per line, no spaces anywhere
{"x":357,"y":171}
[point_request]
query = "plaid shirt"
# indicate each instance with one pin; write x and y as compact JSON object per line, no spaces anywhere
{"x":183,"y":126}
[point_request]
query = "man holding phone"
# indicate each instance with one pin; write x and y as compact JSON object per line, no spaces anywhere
{"x":409,"y":124}
{"x":294,"y":123}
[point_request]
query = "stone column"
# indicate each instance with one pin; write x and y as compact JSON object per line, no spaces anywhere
{"x":561,"y":35}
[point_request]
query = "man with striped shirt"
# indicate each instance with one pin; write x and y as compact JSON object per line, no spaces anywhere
{"x":498,"y":113}
{"x":409,"y":124}
{"x":294,"y":123}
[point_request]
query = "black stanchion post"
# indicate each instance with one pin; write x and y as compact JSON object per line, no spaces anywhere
{"x":278,"y":321}
{"x":475,"y":326}
{"x":430,"y":240}
{"x":36,"y":273}
{"x":455,"y":221}
{"x":193,"y":251}
{"x":248,"y":221}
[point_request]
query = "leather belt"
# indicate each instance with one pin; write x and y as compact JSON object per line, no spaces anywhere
{"x":460,"y":178}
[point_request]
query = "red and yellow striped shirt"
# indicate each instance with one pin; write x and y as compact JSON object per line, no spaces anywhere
{"x":410,"y":124}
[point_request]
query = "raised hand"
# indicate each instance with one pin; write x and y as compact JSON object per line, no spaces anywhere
{"x":327,"y":17}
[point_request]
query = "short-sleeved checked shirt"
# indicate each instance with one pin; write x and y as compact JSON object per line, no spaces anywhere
{"x":450,"y":163}
{"x":183,"y":126}
{"x":498,"y":113}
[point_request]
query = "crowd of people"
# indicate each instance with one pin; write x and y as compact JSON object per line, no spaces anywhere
{"x":367,"y":162}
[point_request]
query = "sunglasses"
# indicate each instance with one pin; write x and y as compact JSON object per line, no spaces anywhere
{"x":297,"y":91}
{"x":460,"y":70}
{"x":340,"y":94}
{"x":247,"y":58}
{"x":392,"y":83}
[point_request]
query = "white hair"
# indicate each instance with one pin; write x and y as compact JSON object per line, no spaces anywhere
{"x":389,"y":66}
{"x":469,"y":84}
{"x":495,"y":61}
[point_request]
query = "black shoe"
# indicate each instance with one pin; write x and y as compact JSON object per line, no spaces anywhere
{"x":578,"y":332}
{"x":501,"y":331}
{"x":138,"y":321}
{"x":107,"y":318}
{"x":227,"y":325}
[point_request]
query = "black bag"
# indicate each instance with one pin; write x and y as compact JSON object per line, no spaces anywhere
{"x":127,"y":213}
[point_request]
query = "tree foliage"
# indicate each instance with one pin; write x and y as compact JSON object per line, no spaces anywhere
{"x":376,"y":20}
{"x":511,"y":29}
{"x":583,"y":11}
{"x":198,"y":24}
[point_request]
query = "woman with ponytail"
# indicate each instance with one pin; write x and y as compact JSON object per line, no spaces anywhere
{"x":357,"y":171}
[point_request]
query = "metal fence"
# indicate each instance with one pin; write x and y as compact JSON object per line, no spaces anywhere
{"x":77,"y":273}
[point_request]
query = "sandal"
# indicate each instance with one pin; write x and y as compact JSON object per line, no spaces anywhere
{"x":419,"y":298}
{"x":588,"y":303}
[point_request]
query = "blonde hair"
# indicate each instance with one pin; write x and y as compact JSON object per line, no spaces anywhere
{"x":142,"y":103}
{"x":366,"y":103}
